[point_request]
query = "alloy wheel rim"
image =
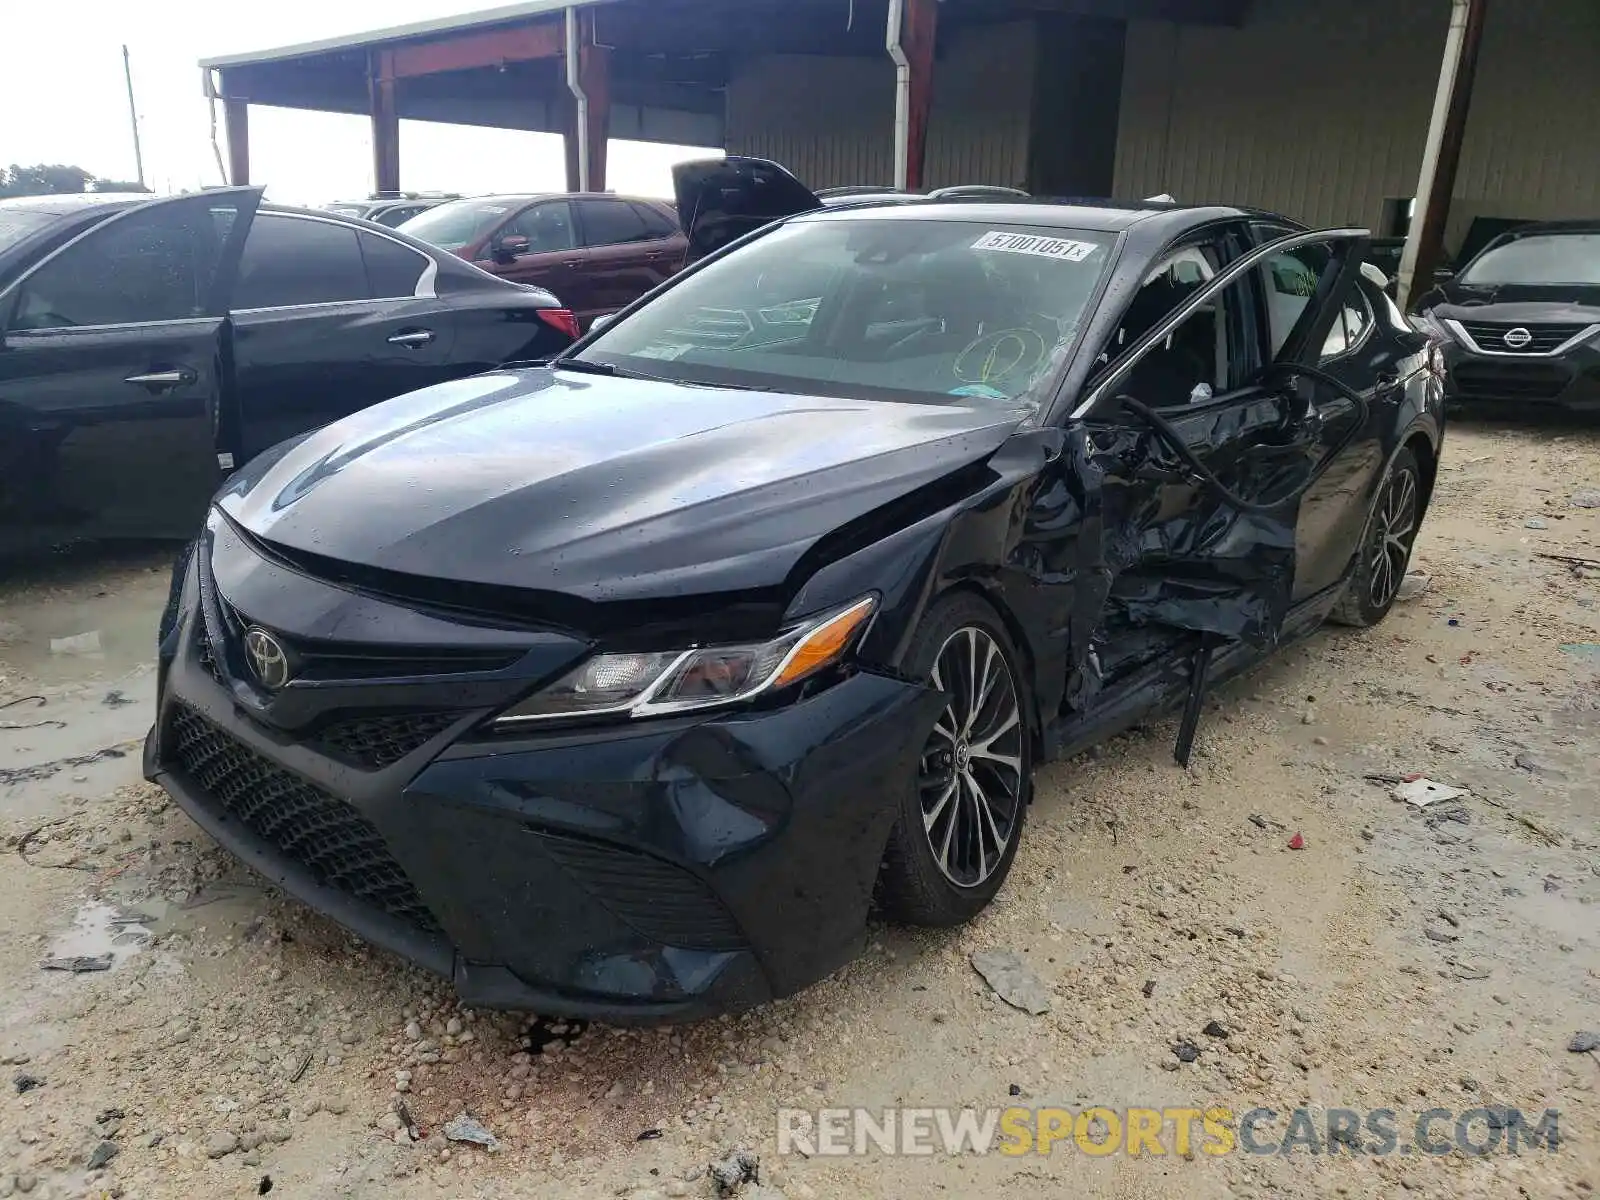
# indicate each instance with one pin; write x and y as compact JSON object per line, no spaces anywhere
{"x":970,"y":777}
{"x":1394,"y":530}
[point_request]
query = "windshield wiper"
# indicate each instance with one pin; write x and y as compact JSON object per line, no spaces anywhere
{"x":587,"y":366}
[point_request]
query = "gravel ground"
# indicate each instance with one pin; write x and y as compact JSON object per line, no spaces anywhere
{"x":1401,"y":959}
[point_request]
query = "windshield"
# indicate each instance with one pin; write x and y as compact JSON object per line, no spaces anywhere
{"x":457,"y":225}
{"x":904,"y":309}
{"x":1545,"y":258}
{"x":18,"y":223}
{"x":347,"y":210}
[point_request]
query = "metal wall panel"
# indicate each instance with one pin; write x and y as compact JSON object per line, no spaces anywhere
{"x":831,"y":120}
{"x":1321,"y":110}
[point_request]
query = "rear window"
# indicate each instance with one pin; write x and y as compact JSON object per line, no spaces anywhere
{"x":957,"y":311}
{"x":1540,"y":258}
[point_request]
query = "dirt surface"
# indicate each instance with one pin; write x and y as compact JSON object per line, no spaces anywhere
{"x":1402,"y":959}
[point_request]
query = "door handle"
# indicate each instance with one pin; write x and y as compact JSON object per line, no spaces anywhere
{"x":572,"y":262}
{"x":412,"y":337}
{"x":169,"y":378}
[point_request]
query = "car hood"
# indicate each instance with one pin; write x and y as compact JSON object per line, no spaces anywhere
{"x":597,"y":487}
{"x":1520,"y":303}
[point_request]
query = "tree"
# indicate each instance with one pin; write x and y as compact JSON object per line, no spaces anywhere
{"x":43,"y":180}
{"x":116,"y":185}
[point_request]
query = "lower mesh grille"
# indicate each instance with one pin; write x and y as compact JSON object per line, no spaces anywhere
{"x":663,"y":902}
{"x":319,"y":831}
{"x":375,"y":742}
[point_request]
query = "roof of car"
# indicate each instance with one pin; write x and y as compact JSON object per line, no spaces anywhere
{"x":1099,"y":216}
{"x":63,"y":204}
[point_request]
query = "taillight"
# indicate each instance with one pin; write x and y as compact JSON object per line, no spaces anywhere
{"x":560,"y":318}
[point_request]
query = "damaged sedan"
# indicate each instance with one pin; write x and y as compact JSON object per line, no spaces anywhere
{"x":628,"y":685}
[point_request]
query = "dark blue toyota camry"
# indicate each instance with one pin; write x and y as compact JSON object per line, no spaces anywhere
{"x":627,"y":685}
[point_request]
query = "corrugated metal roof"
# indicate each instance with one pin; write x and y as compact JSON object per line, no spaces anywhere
{"x":355,"y":41}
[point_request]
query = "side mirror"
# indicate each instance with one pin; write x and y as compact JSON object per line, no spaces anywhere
{"x":507,"y":248}
{"x":601,"y":321}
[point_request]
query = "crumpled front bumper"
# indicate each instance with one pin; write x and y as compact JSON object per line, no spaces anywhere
{"x":648,"y":871}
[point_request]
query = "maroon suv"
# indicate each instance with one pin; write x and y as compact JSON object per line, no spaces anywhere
{"x":597,"y":253}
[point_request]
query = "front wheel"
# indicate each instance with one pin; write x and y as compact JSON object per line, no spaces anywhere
{"x":960,"y":819}
{"x":1385,"y":551}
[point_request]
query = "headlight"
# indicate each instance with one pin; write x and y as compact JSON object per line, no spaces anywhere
{"x":675,"y":681}
{"x":1431,"y":325}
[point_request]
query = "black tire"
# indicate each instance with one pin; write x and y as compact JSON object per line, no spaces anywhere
{"x":957,"y":783}
{"x":1386,"y":544}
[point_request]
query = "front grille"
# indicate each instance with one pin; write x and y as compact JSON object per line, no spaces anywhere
{"x":307,"y":825}
{"x":1493,"y":381}
{"x":663,"y":902}
{"x":375,"y":742}
{"x":1544,"y":339}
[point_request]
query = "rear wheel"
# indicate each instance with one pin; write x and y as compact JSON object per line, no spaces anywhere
{"x":960,"y":819}
{"x":1385,"y":548}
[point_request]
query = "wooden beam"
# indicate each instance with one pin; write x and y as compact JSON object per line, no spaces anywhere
{"x":385,"y":122}
{"x":920,"y":34}
{"x":469,"y":50}
{"x":236,"y":117}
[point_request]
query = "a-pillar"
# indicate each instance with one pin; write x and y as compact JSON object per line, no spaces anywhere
{"x":385,"y":121}
{"x":920,"y":35}
{"x":236,"y":116}
{"x":593,"y":80}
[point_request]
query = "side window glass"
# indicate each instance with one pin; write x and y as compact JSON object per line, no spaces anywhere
{"x":392,"y":269}
{"x":656,"y":223}
{"x":157,"y":264}
{"x":295,"y":260}
{"x":547,"y":226}
{"x":1168,"y":285}
{"x":1289,"y":281}
{"x":611,"y":222}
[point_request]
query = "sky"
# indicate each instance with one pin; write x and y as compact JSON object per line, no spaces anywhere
{"x":61,"y":62}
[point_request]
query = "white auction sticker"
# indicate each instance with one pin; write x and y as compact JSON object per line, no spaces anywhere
{"x":1065,"y":249}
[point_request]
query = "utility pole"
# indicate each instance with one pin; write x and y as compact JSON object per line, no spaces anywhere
{"x":133,"y":115}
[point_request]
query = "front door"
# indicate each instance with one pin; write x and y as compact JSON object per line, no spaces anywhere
{"x":112,"y":375}
{"x":1208,"y":446}
{"x":626,"y":257}
{"x":539,"y":246}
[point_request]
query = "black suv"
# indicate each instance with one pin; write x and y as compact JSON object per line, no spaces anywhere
{"x":1520,"y":322}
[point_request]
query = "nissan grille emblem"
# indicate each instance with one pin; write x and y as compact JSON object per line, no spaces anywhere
{"x":1518,"y":338}
{"x":268,"y":659}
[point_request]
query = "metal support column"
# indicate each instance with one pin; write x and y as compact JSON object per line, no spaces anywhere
{"x":588,"y":130}
{"x":236,"y":120}
{"x":385,"y":121}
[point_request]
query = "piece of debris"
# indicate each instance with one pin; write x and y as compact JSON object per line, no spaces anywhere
{"x":464,"y":1129}
{"x":300,"y":1068}
{"x":1149,"y":988}
{"x":115,"y":699}
{"x":80,"y":964}
{"x":1439,"y":935}
{"x":1297,"y":842}
{"x":102,"y":1154}
{"x":733,"y":1172}
{"x":1258,"y":821}
{"x":1413,"y":585}
{"x":1186,"y":1052}
{"x":1536,"y":523}
{"x":24,"y":1082}
{"x":1586,"y":498}
{"x":1015,"y":1089}
{"x":1420,"y":791}
{"x":1215,"y":1029}
{"x":1535,"y":765}
{"x":78,"y":643}
{"x":1585,"y":1041}
{"x":649,"y":1135}
{"x":1012,"y":981}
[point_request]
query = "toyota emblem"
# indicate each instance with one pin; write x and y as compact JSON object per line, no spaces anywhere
{"x":268,"y":659}
{"x":1518,"y":338}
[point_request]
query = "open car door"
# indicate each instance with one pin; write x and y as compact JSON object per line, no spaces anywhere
{"x":1202,"y":482}
{"x":722,"y":199}
{"x":113,"y":373}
